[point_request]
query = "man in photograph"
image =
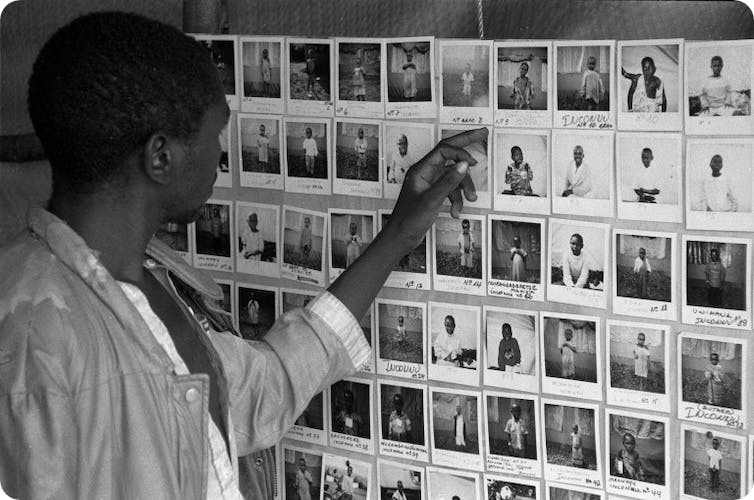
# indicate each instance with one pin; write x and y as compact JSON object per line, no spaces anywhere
{"x":578,"y":180}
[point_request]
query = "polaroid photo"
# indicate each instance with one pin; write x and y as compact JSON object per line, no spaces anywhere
{"x":343,"y":477}
{"x":522,"y":160}
{"x":572,"y":442}
{"x":720,"y":184}
{"x":452,"y":483}
{"x":578,"y":262}
{"x":523,"y":84}
{"x":262,"y":74}
{"x":584,"y":84}
{"x":454,"y":343}
{"x":228,"y":302}
{"x":456,"y":429}
{"x":350,"y":415}
{"x":401,"y":339}
{"x":405,"y":144}
{"x":351,"y":232}
{"x":511,"y":348}
{"x":309,"y":427}
{"x":257,"y":309}
{"x":639,"y":359}
{"x":361,"y":64}
{"x":717,"y":277}
{"x":224,"y":178}
{"x":178,"y":237}
{"x":582,"y":173}
{"x":481,"y":173}
{"x":403,"y":421}
{"x":712,"y":377}
{"x":511,"y":487}
{"x":258,"y":243}
{"x":571,"y":355}
{"x":465,"y":81}
{"x":302,"y":472}
{"x":513,"y":442}
{"x":649,"y":176}
{"x":304,"y":233}
{"x":557,"y":491}
{"x":259,"y":144}
{"x":650,"y":88}
{"x":213,"y":234}
{"x":412,"y":271}
{"x":307,"y":155}
{"x":712,"y":464}
{"x":644,"y":283}
{"x":516,"y":258}
{"x":358,"y":158}
{"x":293,"y":298}
{"x":400,"y":481}
{"x":458,"y":247}
{"x":223,"y":49}
{"x":409,"y":78}
{"x":718,"y":87}
{"x":367,"y":323}
{"x":309,"y":86}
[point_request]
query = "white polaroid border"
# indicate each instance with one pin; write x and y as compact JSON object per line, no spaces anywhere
{"x":391,"y":190}
{"x":217,"y":262}
{"x":459,"y":284}
{"x":404,"y":279}
{"x":641,"y":400}
{"x":468,"y":115}
{"x":257,"y":267}
{"x":307,"y":185}
{"x":309,"y":107}
{"x":225,"y":177}
{"x":527,"y":118}
{"x":382,"y":464}
{"x":398,"y":449}
{"x":682,"y":442}
{"x":716,"y":125}
{"x":575,"y":205}
{"x":310,"y":434}
{"x":633,"y":210}
{"x":517,"y":480}
{"x":233,"y":100}
{"x":411,"y":109}
{"x":715,"y":316}
{"x":661,"y":121}
{"x":355,"y":187}
{"x":591,"y":120}
{"x":718,"y":221}
{"x":516,"y":466}
{"x":458,"y":459}
{"x":646,"y":308}
{"x":293,"y":271}
{"x":264,"y":180}
{"x":369,"y":366}
{"x":329,"y":458}
{"x":515,"y":203}
{"x":233,"y":306}
{"x":572,"y":295}
{"x":569,"y":487}
{"x":267,"y":105}
{"x":509,"y":289}
{"x":571,"y":387}
{"x":565,"y":473}
{"x":510,"y":379}
{"x":285,"y":446}
{"x":344,"y":441}
{"x":447,"y":373}
{"x":484,"y":197}
{"x":452,"y":472}
{"x":710,"y":414}
{"x":363,"y":109}
{"x":634,"y":487}
{"x":337,"y":271}
{"x":396,"y":368}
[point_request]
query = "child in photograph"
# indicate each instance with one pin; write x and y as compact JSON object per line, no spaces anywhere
{"x":252,"y":309}
{"x":518,"y":261}
{"x":714,"y":376}
{"x":466,"y":246}
{"x":518,"y":174}
{"x":642,"y":270}
{"x":353,"y":244}
{"x":399,"y":494}
{"x":360,"y":145}
{"x":716,"y":192}
{"x":459,"y":429}
{"x":310,"y":151}
{"x":716,"y":92}
{"x":647,"y":93}
{"x":215,"y":228}
{"x":263,"y":146}
{"x":568,"y":356}
{"x":399,"y":425}
{"x":253,"y":243}
{"x":627,"y":461}
{"x":523,"y":91}
{"x":311,"y":67}
{"x":715,"y":464}
{"x":401,"y":162}
{"x":348,"y":421}
{"x":575,"y":270}
{"x":357,"y":82}
{"x":409,"y":78}
{"x":641,"y":361}
{"x":467,"y":77}
{"x":646,"y":188}
{"x":346,"y":484}
{"x":447,"y":346}
{"x":577,"y":452}
{"x":508,"y":351}
{"x":714,"y":273}
{"x":592,"y":91}
{"x":266,"y":74}
{"x":303,"y":482}
{"x":517,"y":432}
{"x":305,"y":240}
{"x":400,"y":330}
{"x":578,"y":181}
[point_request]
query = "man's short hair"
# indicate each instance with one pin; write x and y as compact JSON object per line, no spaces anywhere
{"x":104,"y":83}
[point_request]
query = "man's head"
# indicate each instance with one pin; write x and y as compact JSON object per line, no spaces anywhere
{"x":641,"y":338}
{"x":648,"y":67}
{"x":715,"y":443}
{"x":642,"y":253}
{"x":646,"y":157}
{"x":714,"y":358}
{"x":399,"y":484}
{"x":265,"y":53}
{"x":307,"y":221}
{"x":716,"y":165}
{"x":516,"y":411}
{"x":465,"y":226}
{"x":717,"y":65}
{"x":568,"y":333}
{"x":577,"y":243}
{"x":578,"y":155}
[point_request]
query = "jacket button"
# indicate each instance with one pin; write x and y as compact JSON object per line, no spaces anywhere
{"x":259,"y":461}
{"x":192,"y":395}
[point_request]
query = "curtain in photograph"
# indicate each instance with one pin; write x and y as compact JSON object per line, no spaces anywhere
{"x":584,"y":418}
{"x":698,"y":252}
{"x":584,"y":336}
{"x":728,"y":447}
{"x":252,"y":54}
{"x":421,"y":56}
{"x":630,"y":245}
{"x":652,"y":338}
{"x":574,"y":59}
{"x":554,"y":417}
{"x":529,"y":238}
{"x":638,"y":427}
{"x":393,"y":311}
{"x":700,"y":348}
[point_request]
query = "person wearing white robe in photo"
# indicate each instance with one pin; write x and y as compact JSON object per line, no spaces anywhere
{"x":578,"y":180}
{"x":575,"y":269}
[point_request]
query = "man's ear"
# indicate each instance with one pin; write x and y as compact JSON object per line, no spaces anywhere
{"x":159,"y":159}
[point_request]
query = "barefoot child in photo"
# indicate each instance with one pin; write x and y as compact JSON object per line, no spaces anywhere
{"x":577,"y":452}
{"x":714,"y":376}
{"x":409,"y":78}
{"x":310,"y":152}
{"x":518,"y":261}
{"x":647,"y":93}
{"x":353,"y":244}
{"x":568,"y":356}
{"x":641,"y":361}
{"x":305,"y":241}
{"x":360,"y":145}
{"x":467,"y":77}
{"x":357,"y":82}
{"x":627,"y":461}
{"x":263,"y":146}
{"x":715,"y":464}
{"x":642,"y":271}
{"x":466,"y":246}
{"x":518,"y":174}
{"x":522,"y":89}
{"x":592,"y":91}
{"x":266,"y":73}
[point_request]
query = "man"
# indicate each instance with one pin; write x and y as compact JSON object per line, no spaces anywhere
{"x":251,"y":238}
{"x":117,"y":371}
{"x":578,"y":180}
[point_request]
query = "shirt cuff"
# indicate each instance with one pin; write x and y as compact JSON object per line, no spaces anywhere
{"x":345,"y":326}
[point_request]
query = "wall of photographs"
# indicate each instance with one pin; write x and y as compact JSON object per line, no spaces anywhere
{"x":581,"y":332}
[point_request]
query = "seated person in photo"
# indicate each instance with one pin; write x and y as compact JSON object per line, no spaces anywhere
{"x":447,"y":346}
{"x":642,"y":270}
{"x":251,"y":237}
{"x":592,"y":90}
{"x":508,"y":351}
{"x":716,"y":194}
{"x":575,"y":270}
{"x":578,"y":180}
{"x":401,"y":162}
{"x":714,"y":274}
{"x":627,"y":461}
{"x":716,"y":97}
{"x":519,"y":174}
{"x":523,"y":91}
{"x":646,"y":183}
{"x":647,"y":93}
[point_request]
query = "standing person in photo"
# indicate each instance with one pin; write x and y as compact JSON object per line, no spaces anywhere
{"x":714,"y":375}
{"x":592,"y":90}
{"x":466,"y":247}
{"x":409,"y":78}
{"x":642,"y":270}
{"x":310,"y":152}
{"x":263,"y":146}
{"x":714,"y":274}
{"x":517,"y":432}
{"x":523,"y":91}
{"x":467,"y":78}
{"x":399,"y":426}
{"x":459,"y":429}
{"x":508,"y":351}
{"x":304,"y":481}
{"x":641,"y":361}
